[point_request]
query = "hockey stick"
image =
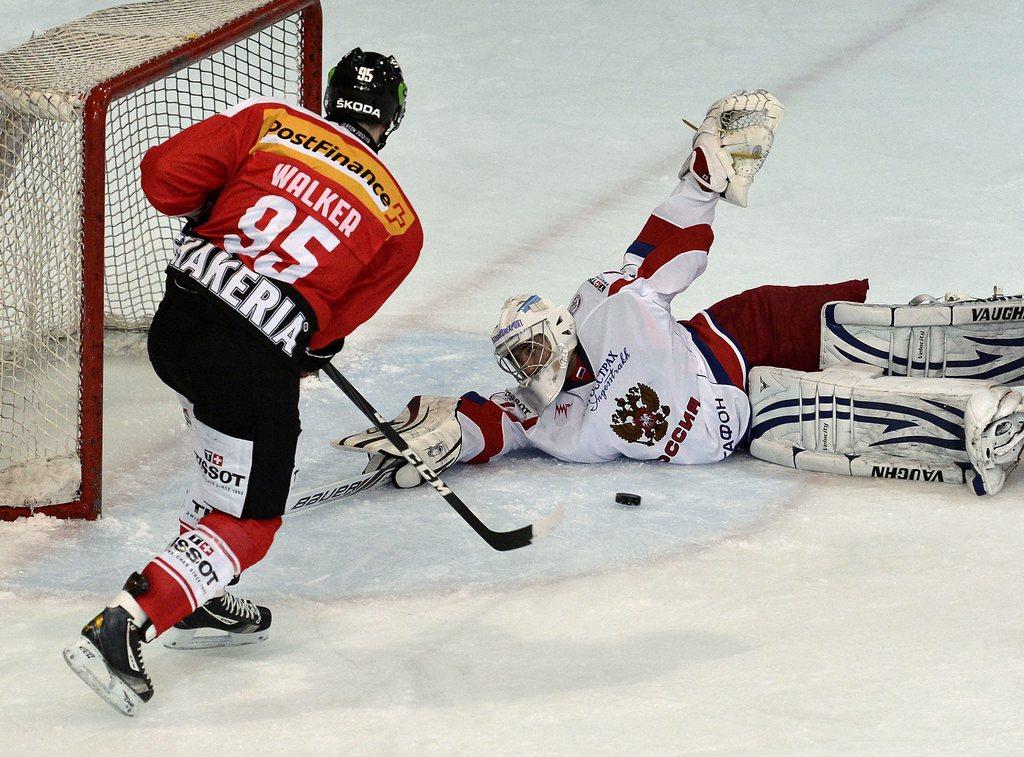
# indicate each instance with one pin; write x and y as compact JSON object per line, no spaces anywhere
{"x":499,"y":540}
{"x":322,"y":495}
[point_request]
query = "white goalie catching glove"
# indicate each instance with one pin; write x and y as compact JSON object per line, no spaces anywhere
{"x":428,"y":425}
{"x":732,"y":143}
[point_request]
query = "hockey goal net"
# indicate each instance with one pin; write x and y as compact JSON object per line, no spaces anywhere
{"x":80,"y":248}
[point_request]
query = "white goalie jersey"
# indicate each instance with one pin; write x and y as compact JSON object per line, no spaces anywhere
{"x":645,"y":386}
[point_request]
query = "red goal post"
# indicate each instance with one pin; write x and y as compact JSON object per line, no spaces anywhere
{"x":80,"y":248}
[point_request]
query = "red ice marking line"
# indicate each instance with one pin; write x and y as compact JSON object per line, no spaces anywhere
{"x":842,"y":57}
{"x":431,"y":313}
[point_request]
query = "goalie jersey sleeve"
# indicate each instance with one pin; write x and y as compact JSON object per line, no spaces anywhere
{"x":652,"y":388}
{"x":309,"y":211}
{"x":672,"y":248}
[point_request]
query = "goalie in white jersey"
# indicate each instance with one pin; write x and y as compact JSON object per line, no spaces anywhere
{"x":615,"y":375}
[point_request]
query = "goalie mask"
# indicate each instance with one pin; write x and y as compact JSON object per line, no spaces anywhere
{"x":533,"y":341}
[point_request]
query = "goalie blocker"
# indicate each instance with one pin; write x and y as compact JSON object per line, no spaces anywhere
{"x":851,"y":420}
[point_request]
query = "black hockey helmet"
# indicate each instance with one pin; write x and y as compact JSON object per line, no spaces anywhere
{"x":367,"y":87}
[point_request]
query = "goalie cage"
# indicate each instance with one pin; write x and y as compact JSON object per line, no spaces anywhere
{"x":79,"y":106}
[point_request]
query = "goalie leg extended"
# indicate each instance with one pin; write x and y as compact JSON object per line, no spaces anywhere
{"x":769,"y":325}
{"x":851,"y":420}
{"x":954,"y":337}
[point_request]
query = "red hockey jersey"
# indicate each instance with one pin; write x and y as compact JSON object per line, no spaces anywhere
{"x":300,"y":207}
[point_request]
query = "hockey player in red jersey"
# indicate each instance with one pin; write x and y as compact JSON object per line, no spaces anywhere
{"x":616,"y":375}
{"x":297,"y":233}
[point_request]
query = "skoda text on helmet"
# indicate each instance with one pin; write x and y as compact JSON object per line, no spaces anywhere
{"x":366,"y":87}
{"x":533,"y":341}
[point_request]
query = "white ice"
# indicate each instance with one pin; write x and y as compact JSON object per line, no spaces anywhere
{"x":743,"y":608}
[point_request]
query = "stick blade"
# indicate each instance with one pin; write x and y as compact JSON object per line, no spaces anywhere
{"x":548,"y":523}
{"x":504,"y":541}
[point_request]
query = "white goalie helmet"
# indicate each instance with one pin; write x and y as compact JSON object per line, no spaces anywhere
{"x":533,"y":341}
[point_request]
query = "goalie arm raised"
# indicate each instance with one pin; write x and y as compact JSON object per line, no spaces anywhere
{"x":672,"y":248}
{"x":730,"y":146}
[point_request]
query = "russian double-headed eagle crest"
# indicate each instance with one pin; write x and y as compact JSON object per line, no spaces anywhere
{"x":640,"y":417}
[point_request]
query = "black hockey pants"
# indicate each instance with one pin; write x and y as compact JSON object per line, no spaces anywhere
{"x":237,"y":386}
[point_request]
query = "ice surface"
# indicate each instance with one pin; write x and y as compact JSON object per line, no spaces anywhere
{"x":743,"y":608}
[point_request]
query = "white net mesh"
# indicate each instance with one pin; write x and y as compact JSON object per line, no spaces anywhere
{"x":43,"y":85}
{"x":137,"y":237}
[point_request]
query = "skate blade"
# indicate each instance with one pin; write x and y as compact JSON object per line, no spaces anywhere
{"x":85,"y":660}
{"x":206,"y":638}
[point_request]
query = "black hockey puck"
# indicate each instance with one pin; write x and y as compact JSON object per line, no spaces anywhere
{"x":625,"y":498}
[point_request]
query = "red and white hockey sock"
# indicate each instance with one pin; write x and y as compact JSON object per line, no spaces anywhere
{"x":199,"y":564}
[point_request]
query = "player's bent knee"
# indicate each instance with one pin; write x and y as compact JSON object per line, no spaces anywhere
{"x":247,"y":539}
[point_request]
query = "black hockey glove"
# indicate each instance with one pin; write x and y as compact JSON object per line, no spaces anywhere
{"x":312,"y":361}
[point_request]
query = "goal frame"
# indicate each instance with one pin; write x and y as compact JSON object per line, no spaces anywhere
{"x":94,"y":127}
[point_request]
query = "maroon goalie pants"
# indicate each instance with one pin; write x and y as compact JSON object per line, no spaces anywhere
{"x":768,"y":325}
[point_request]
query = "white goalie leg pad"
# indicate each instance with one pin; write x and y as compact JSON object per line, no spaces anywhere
{"x":429,"y":425}
{"x":865,"y":466}
{"x":852,"y":420}
{"x":982,"y":339}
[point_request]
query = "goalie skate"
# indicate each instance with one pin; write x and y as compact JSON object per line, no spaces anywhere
{"x":952,"y":338}
{"x":226,"y":621}
{"x":994,"y":430}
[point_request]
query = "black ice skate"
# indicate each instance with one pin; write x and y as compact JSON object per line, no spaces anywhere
{"x":108,"y":655}
{"x":226,"y":621}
